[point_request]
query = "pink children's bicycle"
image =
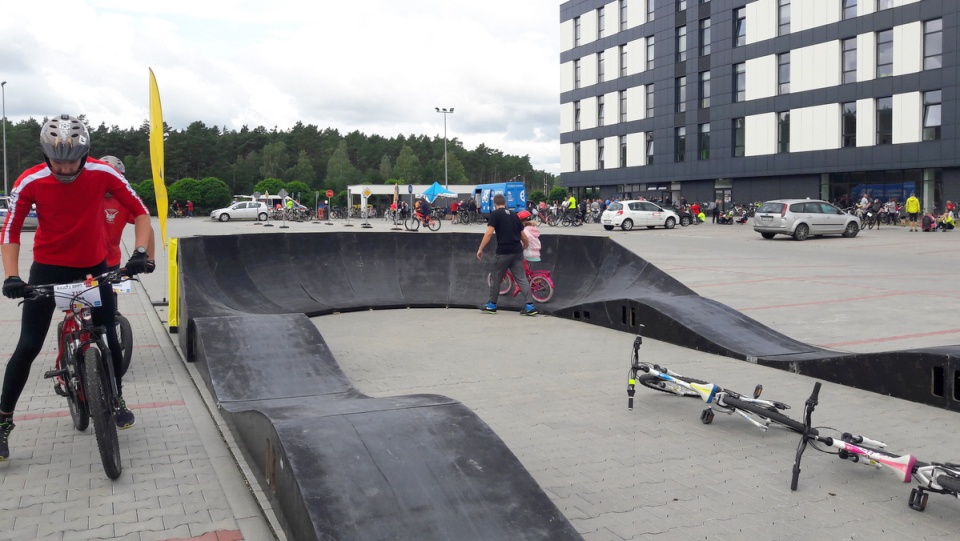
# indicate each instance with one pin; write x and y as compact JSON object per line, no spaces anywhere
{"x":541,"y":285}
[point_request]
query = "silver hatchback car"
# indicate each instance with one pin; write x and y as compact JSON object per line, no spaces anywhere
{"x":800,"y":218}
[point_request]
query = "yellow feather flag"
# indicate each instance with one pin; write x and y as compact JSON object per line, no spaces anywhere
{"x":156,"y":157}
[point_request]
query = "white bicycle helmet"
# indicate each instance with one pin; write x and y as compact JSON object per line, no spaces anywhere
{"x":65,"y":138}
{"x":115,"y":162}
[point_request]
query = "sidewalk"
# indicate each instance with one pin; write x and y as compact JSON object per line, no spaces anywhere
{"x":179,"y":479}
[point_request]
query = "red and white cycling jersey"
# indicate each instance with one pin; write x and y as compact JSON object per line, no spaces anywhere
{"x":71,"y":230}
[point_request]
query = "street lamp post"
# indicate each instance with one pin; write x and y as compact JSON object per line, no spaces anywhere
{"x":3,"y":91}
{"x":445,"y":112}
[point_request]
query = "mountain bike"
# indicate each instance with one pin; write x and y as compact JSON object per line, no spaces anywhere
{"x":413,"y":223}
{"x":541,"y":284}
{"x":936,"y":477}
{"x":83,"y":374}
{"x":759,"y":412}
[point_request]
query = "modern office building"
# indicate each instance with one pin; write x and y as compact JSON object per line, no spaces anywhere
{"x":747,"y":100}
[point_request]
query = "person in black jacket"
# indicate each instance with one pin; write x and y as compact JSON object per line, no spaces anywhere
{"x":511,"y":241}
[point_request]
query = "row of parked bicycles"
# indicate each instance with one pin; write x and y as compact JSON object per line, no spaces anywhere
{"x":931,"y":477}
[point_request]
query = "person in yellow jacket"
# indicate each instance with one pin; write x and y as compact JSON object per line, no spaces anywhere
{"x":912,"y":207}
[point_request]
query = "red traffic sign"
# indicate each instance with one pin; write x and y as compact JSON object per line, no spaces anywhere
{"x":329,"y":193}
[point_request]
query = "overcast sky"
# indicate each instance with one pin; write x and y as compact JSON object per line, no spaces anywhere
{"x":378,"y":66}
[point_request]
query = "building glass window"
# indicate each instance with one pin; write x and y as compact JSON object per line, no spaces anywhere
{"x":600,"y":111}
{"x":650,"y":53}
{"x":849,"y":64}
{"x":600,"y":154}
{"x":740,"y":27}
{"x":576,"y":73}
{"x":623,"y":15}
{"x":783,"y":15}
{"x":704,"y":143}
{"x":704,"y":89}
{"x":576,"y":31}
{"x":704,"y":37}
{"x":739,"y":82}
{"x":623,"y":61}
{"x":783,"y":132}
{"x":783,"y":73}
{"x":681,"y":44}
{"x":885,"y":121}
{"x":600,"y":68}
{"x":884,"y":4}
{"x":739,"y":136}
{"x":600,"y":22}
{"x":576,"y":156}
{"x":885,"y":53}
{"x":651,"y":7}
{"x":933,"y":44}
{"x":649,"y":100}
{"x":623,"y":106}
{"x":681,"y":95}
{"x":623,"y":150}
{"x":849,"y":124}
{"x":849,"y":8}
{"x":681,"y":5}
{"x":576,"y":115}
{"x":931,"y":115}
{"x":680,"y":141}
{"x":649,"y":149}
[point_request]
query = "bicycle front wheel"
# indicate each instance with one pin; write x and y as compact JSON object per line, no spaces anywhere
{"x":541,"y":288}
{"x":411,"y":224}
{"x":125,"y":335}
{"x":99,"y":394}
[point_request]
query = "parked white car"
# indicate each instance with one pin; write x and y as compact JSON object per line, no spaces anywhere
{"x":629,"y":214}
{"x":29,"y":223}
{"x":243,"y":210}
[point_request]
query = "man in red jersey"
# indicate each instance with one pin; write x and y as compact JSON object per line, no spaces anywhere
{"x":68,"y":190}
{"x":117,"y":217}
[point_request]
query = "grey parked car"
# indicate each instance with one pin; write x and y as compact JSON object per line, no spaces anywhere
{"x":800,"y":218}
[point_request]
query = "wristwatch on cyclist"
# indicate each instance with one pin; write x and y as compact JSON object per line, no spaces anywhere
{"x":140,"y":250}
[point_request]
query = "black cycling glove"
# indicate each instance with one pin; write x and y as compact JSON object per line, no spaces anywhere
{"x":151,"y":266}
{"x":137,"y":264}
{"x":14,"y":288}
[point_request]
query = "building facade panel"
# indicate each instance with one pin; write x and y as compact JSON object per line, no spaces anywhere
{"x":908,"y":48}
{"x":566,"y":77}
{"x":807,"y":15}
{"x":636,"y":156}
{"x":761,"y":134}
{"x":588,"y":155}
{"x":815,"y":128}
{"x":611,"y":152}
{"x":907,"y":110}
{"x":761,"y":21}
{"x":816,"y":66}
{"x":588,"y":113}
{"x":761,"y":77}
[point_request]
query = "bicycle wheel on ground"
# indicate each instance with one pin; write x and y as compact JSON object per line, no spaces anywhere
{"x":433,"y":224}
{"x":99,"y":398}
{"x":651,"y":381}
{"x":125,"y":335}
{"x":552,"y":220}
{"x":541,"y":288}
{"x":411,"y":224}
{"x":74,"y":391}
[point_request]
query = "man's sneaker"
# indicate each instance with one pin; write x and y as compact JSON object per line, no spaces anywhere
{"x":124,"y":417}
{"x":6,"y":427}
{"x":489,"y":308}
{"x":529,"y":310}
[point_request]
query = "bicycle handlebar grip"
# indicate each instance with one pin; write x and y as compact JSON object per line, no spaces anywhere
{"x":949,"y":482}
{"x":815,"y":395}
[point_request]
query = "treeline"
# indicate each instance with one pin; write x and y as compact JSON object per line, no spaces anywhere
{"x":321,"y":159}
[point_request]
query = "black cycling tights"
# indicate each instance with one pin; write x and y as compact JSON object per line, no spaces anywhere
{"x":35,"y":323}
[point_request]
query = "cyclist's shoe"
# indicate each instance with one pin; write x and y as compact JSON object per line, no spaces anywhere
{"x":489,"y":308}
{"x":6,"y":427}
{"x":529,"y":310}
{"x":124,"y":417}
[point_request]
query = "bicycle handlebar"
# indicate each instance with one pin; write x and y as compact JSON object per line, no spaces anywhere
{"x":808,"y":432}
{"x":109,"y":277}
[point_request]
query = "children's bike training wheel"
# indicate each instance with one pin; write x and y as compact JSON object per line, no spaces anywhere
{"x":74,"y":390}
{"x":540,"y":288}
{"x":101,"y":410}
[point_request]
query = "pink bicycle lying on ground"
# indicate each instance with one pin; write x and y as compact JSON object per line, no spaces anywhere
{"x":541,"y":285}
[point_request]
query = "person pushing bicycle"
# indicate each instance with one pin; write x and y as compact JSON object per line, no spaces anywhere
{"x":69,"y":191}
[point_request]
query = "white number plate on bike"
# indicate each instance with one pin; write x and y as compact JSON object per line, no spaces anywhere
{"x":68,"y":295}
{"x":123,"y":287}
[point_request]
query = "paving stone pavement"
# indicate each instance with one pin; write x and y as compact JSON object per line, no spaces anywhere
{"x":554,"y":390}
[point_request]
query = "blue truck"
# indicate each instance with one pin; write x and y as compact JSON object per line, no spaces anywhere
{"x":515,"y":192}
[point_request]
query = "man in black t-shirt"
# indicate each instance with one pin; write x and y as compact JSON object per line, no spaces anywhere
{"x":511,"y":241}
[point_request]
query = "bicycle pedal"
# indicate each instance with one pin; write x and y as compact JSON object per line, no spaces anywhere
{"x":58,"y":389}
{"x":918,"y":500}
{"x":54,"y":373}
{"x":706,"y":416}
